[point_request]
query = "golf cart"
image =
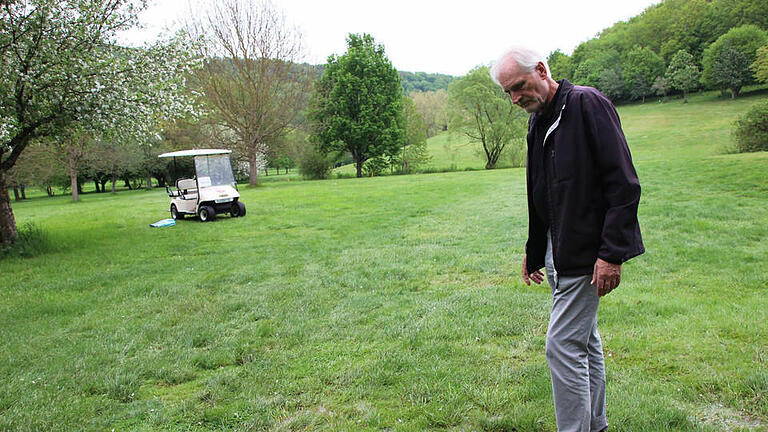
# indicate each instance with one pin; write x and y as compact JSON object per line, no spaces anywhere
{"x":211,"y":192}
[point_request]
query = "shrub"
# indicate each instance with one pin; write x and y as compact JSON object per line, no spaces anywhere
{"x":750,"y":131}
{"x":375,"y":166}
{"x":314,"y":165}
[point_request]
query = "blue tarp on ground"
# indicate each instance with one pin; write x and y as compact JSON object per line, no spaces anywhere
{"x":163,"y":223}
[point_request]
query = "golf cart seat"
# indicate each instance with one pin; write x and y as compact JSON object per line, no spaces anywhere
{"x":187,"y":187}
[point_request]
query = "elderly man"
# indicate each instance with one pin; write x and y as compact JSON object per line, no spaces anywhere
{"x":583,"y":194}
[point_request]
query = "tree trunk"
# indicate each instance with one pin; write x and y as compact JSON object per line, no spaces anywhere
{"x":104,"y":181}
{"x":405,"y":161}
{"x":16,"y":196}
{"x":8,"y":232}
{"x":735,"y":93}
{"x":73,"y":184}
{"x":23,"y":191}
{"x":114,"y":180}
{"x":253,"y":174}
{"x":149,"y":181}
{"x":49,"y":190}
{"x":359,"y":166}
{"x":128,"y":183}
{"x":96,"y":183}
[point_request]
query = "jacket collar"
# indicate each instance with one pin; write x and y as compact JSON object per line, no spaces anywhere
{"x":557,"y":103}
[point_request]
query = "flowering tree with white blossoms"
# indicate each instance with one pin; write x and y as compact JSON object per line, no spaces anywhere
{"x":61,"y":69}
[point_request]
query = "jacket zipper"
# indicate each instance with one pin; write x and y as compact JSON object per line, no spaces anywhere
{"x":553,"y":127}
{"x":551,"y":173}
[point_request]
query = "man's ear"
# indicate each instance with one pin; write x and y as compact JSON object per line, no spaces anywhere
{"x":541,"y":70}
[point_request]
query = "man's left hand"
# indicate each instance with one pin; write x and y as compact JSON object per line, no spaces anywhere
{"x":606,"y":276}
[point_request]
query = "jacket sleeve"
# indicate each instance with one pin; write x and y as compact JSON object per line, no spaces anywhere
{"x":535,"y":246}
{"x":620,"y":238}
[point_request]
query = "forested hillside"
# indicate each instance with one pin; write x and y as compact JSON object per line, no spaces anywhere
{"x":626,"y":60}
{"x":412,"y":81}
{"x":422,"y":81}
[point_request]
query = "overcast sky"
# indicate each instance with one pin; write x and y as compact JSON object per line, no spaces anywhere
{"x":426,"y":35}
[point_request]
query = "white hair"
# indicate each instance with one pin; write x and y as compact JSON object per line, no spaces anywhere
{"x":526,"y":59}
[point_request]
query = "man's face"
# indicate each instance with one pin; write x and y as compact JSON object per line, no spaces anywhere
{"x":528,"y":90}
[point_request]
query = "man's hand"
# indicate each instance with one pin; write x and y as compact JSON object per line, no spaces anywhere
{"x":606,"y":276}
{"x":537,"y":276}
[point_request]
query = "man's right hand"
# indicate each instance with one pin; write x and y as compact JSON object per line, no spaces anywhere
{"x":537,"y":277}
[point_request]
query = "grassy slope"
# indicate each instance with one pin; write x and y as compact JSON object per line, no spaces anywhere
{"x":448,"y":152}
{"x":390,"y":303}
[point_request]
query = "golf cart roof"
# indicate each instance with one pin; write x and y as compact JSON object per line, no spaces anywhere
{"x":198,"y":152}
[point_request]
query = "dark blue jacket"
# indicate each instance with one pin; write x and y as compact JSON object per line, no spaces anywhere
{"x":581,"y":184}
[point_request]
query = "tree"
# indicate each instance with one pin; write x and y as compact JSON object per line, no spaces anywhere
{"x":415,"y":153}
{"x":727,"y":61}
{"x":660,"y":87}
{"x":588,"y":72}
{"x":641,"y":67}
{"x":283,"y":153}
{"x":112,"y":160}
{"x":424,"y":82}
{"x":591,"y":70}
{"x":38,"y":166}
{"x":72,"y":148}
{"x":250,"y":75}
{"x":485,"y":114}
{"x":683,"y":74}
{"x":611,"y":83}
{"x":731,"y":71}
{"x":560,"y":65}
{"x":432,"y":106}
{"x":357,"y":103}
{"x":61,"y":66}
{"x":760,"y":65}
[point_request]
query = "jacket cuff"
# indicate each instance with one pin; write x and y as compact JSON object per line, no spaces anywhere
{"x":611,"y":259}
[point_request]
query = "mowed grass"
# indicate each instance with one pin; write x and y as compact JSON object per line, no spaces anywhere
{"x":447,"y":152}
{"x":390,"y":303}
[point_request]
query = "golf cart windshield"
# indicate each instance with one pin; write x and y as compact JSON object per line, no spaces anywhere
{"x":214,"y":170}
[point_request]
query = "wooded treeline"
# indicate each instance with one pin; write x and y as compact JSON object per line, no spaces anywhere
{"x":715,"y":42}
{"x":425,"y":82}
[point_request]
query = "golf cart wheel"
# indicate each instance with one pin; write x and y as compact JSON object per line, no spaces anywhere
{"x":238,"y":209}
{"x":175,"y":213}
{"x":207,"y":213}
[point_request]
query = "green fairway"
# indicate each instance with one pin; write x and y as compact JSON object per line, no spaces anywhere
{"x":391,"y":303}
{"x":448,"y":152}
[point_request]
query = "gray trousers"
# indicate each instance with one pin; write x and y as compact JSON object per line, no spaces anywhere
{"x":575,"y":352}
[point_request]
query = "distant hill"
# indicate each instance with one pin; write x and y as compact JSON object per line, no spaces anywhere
{"x":412,"y":81}
{"x":625,"y":60}
{"x":422,"y":81}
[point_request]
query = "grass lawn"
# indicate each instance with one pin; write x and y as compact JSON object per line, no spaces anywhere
{"x":448,"y":152}
{"x":390,"y":303}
